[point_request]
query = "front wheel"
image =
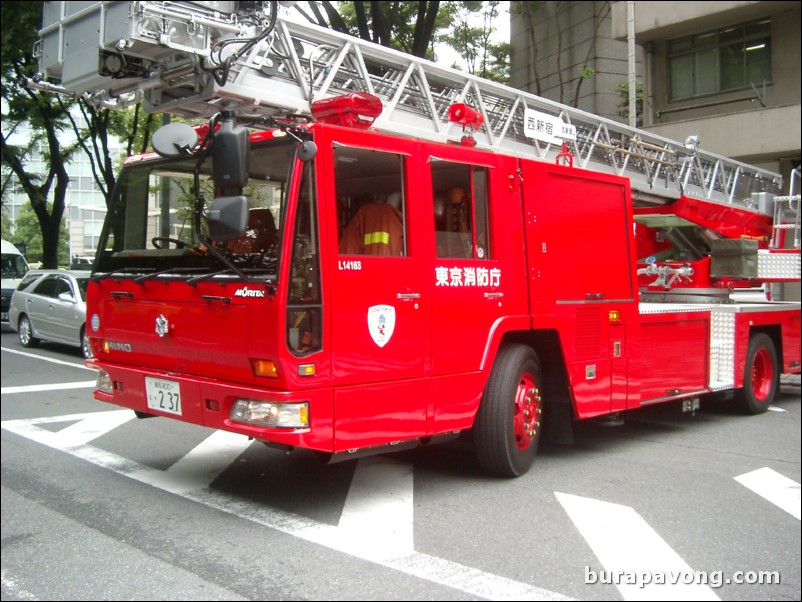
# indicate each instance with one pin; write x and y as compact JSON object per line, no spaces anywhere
{"x":761,"y":375}
{"x":508,"y":424}
{"x":25,"y":329}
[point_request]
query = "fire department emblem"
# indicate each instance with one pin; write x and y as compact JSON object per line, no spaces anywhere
{"x":381,"y":323}
{"x":162,"y":325}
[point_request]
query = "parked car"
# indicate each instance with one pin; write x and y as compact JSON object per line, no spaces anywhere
{"x":50,"y":305}
{"x":81,"y":263}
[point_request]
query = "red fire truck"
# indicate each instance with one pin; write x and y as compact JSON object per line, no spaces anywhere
{"x":359,"y":251}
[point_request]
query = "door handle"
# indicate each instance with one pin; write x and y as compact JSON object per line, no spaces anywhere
{"x":407,"y":296}
{"x":493,"y":295}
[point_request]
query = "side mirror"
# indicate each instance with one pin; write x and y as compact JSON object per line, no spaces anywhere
{"x":227,"y":217}
{"x":307,"y":151}
{"x":175,"y":140}
{"x":231,"y":152}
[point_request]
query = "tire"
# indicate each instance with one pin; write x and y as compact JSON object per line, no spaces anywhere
{"x":86,"y":346}
{"x":25,"y":330}
{"x":508,"y":425}
{"x":761,"y":375}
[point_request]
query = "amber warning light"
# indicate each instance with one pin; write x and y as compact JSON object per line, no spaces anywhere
{"x":357,"y":109}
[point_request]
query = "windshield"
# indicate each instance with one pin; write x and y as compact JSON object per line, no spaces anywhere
{"x":14,"y":266}
{"x":151,"y":226}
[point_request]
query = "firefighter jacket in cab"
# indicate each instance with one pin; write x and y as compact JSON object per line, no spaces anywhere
{"x":376,"y":229}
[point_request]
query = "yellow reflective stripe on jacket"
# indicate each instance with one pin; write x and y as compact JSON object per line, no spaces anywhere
{"x":377,"y":238}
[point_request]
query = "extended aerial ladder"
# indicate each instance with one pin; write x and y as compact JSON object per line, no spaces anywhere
{"x":192,"y":60}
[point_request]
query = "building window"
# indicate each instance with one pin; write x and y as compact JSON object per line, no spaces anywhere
{"x":730,"y":58}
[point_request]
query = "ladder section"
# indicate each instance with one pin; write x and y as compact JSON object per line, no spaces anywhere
{"x":172,"y":56}
{"x":786,"y":217}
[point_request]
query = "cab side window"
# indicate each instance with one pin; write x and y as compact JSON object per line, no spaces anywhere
{"x":371,"y":202}
{"x":460,"y":192}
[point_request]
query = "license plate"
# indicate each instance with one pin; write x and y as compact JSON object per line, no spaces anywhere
{"x":163,"y":395}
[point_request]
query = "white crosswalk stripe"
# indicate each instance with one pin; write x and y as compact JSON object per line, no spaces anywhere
{"x":634,"y":557}
{"x":376,"y":522}
{"x":774,"y":487}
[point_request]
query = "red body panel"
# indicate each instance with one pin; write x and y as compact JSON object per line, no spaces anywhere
{"x":682,"y":341}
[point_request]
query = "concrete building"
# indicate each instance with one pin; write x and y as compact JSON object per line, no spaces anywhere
{"x":728,"y":72}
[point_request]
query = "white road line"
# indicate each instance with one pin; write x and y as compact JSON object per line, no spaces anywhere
{"x":87,"y":384}
{"x":48,"y":359}
{"x":377,"y":520}
{"x":774,"y":487}
{"x":200,"y":466}
{"x":378,"y":513}
{"x":381,"y":491}
{"x":628,"y":547}
{"x":86,"y":427}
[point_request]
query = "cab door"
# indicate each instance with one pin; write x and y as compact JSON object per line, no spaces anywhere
{"x":477,"y":273}
{"x":477,"y":263}
{"x":378,"y":308}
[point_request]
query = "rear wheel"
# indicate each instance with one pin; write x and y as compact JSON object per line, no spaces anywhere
{"x":25,"y":329}
{"x":761,"y":375}
{"x":508,"y":424}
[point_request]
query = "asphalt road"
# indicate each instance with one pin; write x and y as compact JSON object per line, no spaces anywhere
{"x":99,"y":505}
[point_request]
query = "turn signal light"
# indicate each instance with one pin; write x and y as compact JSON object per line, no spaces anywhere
{"x":265,"y":368}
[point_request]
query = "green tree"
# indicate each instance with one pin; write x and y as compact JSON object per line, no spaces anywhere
{"x":27,"y":230}
{"x":131,"y":126}
{"x":623,"y":105}
{"x":406,"y":26}
{"x":474,"y":42}
{"x":6,"y":224}
{"x":46,"y":116}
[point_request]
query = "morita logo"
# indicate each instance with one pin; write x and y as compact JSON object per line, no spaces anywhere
{"x":246,"y":292}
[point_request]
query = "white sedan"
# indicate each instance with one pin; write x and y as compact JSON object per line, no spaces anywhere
{"x":50,"y":305}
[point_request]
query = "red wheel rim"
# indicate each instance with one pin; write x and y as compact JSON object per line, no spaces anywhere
{"x":762,"y":375}
{"x":526,"y":418}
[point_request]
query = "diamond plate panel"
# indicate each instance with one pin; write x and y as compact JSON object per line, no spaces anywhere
{"x":772,"y":266}
{"x":722,"y":350}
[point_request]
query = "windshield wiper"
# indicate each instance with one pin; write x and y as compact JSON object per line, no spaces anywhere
{"x":146,"y":277}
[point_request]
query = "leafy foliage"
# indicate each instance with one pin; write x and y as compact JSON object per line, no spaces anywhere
{"x":27,"y":229}
{"x":46,"y":116}
{"x":474,"y":43}
{"x":405,"y":26}
{"x":623,"y":105}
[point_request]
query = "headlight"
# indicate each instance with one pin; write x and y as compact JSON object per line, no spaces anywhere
{"x":270,"y":414}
